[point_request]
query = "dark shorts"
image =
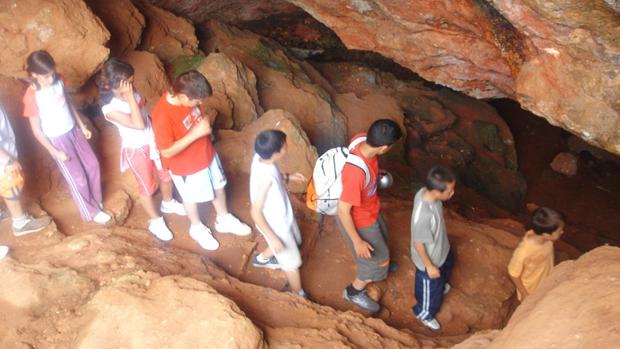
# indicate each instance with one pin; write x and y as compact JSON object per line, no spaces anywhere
{"x":375,"y":268}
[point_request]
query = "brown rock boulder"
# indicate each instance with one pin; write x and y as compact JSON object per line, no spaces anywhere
{"x":167,"y":35}
{"x":146,"y":311}
{"x":574,"y":307}
{"x":565,"y":163}
{"x":234,"y":89}
{"x":283,"y":82}
{"x":124,"y":22}
{"x":237,"y":148}
{"x":150,"y":77}
{"x":362,"y":111}
{"x":65,"y":28}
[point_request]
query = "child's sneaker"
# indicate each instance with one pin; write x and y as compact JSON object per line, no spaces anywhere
{"x":431,"y":324}
{"x":4,"y":251}
{"x":172,"y":206}
{"x":230,"y":224}
{"x":160,"y":230}
{"x":446,"y":288}
{"x":362,"y":300}
{"x":32,"y":225}
{"x":102,"y":218}
{"x":259,"y":262}
{"x":202,"y":234}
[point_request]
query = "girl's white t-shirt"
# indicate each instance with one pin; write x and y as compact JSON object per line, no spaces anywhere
{"x":54,"y":111}
{"x":277,"y":208}
{"x":130,"y":137}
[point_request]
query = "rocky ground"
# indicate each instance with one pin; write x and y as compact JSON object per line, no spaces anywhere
{"x":79,"y":285}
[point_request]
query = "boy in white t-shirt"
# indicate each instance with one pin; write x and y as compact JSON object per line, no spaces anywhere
{"x":271,"y":209}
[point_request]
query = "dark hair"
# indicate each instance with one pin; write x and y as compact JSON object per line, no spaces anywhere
{"x":383,"y":132}
{"x":192,"y":84}
{"x":269,"y":142}
{"x":438,"y":178}
{"x":113,"y":72}
{"x":546,"y":220}
{"x":41,"y":63}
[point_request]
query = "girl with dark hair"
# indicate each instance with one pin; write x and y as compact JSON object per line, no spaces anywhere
{"x":124,"y":108}
{"x":53,"y":121}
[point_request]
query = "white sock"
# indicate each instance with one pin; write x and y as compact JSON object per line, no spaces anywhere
{"x":262,"y":258}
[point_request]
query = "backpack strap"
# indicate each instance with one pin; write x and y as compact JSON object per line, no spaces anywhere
{"x":357,"y":141}
{"x":359,"y":162}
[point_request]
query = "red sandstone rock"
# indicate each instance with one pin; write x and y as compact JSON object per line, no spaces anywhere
{"x":558,"y":61}
{"x":124,"y":22}
{"x":574,"y":307}
{"x":237,"y":148}
{"x":150,"y":76}
{"x":145,"y":311}
{"x":283,"y":82}
{"x":234,"y":88}
{"x":167,"y":35}
{"x":565,"y":163}
{"x":362,"y":111}
{"x":65,"y":28}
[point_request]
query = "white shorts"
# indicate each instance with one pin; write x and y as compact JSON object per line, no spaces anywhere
{"x":289,"y":258}
{"x":201,"y":186}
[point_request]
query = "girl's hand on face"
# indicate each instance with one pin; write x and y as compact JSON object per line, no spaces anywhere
{"x":126,"y":89}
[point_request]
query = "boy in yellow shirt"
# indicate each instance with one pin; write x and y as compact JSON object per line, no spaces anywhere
{"x":533,"y":259}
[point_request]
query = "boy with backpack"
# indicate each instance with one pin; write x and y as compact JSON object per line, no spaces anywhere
{"x":533,"y":259}
{"x":182,"y":137}
{"x":430,"y":248}
{"x":359,"y":219}
{"x":271,"y":209}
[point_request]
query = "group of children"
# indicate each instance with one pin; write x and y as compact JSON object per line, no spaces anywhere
{"x":173,"y":147}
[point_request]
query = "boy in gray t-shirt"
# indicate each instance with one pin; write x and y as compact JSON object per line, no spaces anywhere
{"x":430,"y":248}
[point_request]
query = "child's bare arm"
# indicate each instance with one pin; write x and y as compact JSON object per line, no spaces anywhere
{"x":201,"y":129}
{"x":35,"y":124}
{"x":431,"y":269}
{"x":134,"y":119}
{"x":362,"y":248}
{"x":77,"y":117}
{"x":259,"y":219}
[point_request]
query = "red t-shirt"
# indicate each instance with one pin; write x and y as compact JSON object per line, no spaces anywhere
{"x":171,"y":123}
{"x":365,"y":201}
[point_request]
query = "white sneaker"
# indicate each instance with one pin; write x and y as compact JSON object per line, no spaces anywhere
{"x":432,"y":324}
{"x":172,"y":206}
{"x":102,"y":218}
{"x":159,"y":228}
{"x":230,"y":224}
{"x":446,"y":288}
{"x":202,"y":234}
{"x":4,"y":251}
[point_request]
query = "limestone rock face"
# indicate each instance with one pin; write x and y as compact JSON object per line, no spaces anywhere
{"x":124,"y":22}
{"x":558,"y":60}
{"x":234,"y":88}
{"x":283,"y":82}
{"x":237,"y":148}
{"x":67,"y":29}
{"x":150,"y":77}
{"x":591,"y":322}
{"x":146,"y":311}
{"x":167,"y":35}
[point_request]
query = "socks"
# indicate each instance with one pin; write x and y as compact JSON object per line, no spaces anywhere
{"x":20,"y":222}
{"x":351,"y":291}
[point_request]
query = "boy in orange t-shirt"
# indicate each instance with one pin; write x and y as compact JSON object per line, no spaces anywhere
{"x":533,"y":259}
{"x":359,"y":219}
{"x":182,"y":135}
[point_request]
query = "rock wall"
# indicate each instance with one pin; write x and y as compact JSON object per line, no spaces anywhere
{"x":573,"y":308}
{"x":558,"y":60}
{"x":66,"y":28}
